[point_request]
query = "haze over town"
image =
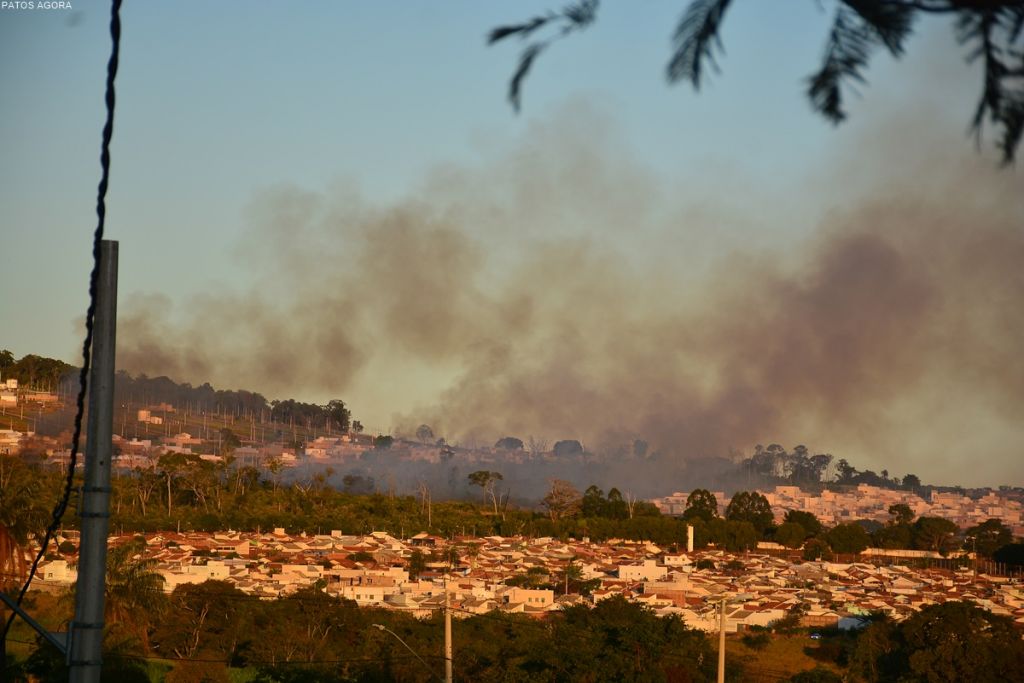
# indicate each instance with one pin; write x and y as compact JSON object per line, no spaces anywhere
{"x":622,"y":261}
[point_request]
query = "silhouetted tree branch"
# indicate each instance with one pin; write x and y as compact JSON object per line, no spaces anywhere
{"x":991,"y":30}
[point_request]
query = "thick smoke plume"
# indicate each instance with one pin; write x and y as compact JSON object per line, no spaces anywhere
{"x":559,"y":291}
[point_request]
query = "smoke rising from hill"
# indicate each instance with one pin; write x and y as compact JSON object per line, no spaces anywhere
{"x":559,"y":290}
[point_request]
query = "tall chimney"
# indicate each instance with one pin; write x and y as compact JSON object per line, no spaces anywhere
{"x":689,"y":538}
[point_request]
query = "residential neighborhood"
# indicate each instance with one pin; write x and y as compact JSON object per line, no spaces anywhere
{"x":515,"y":574}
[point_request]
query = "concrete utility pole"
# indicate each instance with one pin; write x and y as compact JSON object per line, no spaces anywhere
{"x":447,"y":637}
{"x":721,"y":644}
{"x":86,"y":631}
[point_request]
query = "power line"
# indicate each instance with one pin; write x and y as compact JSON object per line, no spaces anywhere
{"x":101,"y":213}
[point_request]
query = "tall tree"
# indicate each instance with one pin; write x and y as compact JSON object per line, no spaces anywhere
{"x":845,"y":472}
{"x":23,"y":514}
{"x":134,"y":594}
{"x":210,"y":620}
{"x":988,"y":537}
{"x":848,"y":538}
{"x":487,"y":481}
{"x":701,"y":504}
{"x":900,"y":514}
{"x":790,"y":534}
{"x":807,"y":520}
{"x":753,"y":507}
{"x":424,"y":433}
{"x":594,"y":503}
{"x":911,"y":482}
{"x":953,"y":641}
{"x":562,"y":500}
{"x":934,"y":533}
{"x":339,"y":415}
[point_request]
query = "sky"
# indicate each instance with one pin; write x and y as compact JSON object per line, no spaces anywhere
{"x":335,"y":199}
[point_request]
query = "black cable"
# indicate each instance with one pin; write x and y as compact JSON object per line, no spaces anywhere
{"x":83,"y":376}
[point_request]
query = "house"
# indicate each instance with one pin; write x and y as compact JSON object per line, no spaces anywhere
{"x":649,"y":570}
{"x":227,"y":546}
{"x":59,"y":571}
{"x":529,"y":597}
{"x":10,"y":441}
{"x":214,"y":570}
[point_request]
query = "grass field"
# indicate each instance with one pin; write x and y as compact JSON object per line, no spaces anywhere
{"x":781,"y":658}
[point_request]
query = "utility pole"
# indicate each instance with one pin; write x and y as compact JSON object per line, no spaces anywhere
{"x":721,"y":643}
{"x":86,"y":631}
{"x":974,"y":543}
{"x":447,"y":636}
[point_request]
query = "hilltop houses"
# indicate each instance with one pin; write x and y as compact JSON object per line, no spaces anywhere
{"x":872,"y":502}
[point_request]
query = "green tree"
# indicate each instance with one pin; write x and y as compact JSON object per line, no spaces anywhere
{"x":934,"y":533}
{"x":817,"y":549}
{"x":209,"y":620}
{"x":1011,"y":553}
{"x":753,"y":507}
{"x":616,"y":508}
{"x":701,"y":504}
{"x":845,"y":472}
{"x":989,"y":30}
{"x":792,"y":620}
{"x":988,"y":537}
{"x":618,"y":640}
{"x":134,"y":596}
{"x":740,"y":536}
{"x":171,"y":466}
{"x":572,"y":575}
{"x":894,"y":537}
{"x":956,"y":641}
{"x":807,"y":520}
{"x":847,"y":538}
{"x":383,"y":442}
{"x":417,"y":564}
{"x":24,"y":514}
{"x":900,"y":514}
{"x":594,"y":503}
{"x":875,"y":649}
{"x":303,"y":627}
{"x":790,"y":534}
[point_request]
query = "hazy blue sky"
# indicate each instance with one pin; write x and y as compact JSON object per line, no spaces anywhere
{"x":221,"y":103}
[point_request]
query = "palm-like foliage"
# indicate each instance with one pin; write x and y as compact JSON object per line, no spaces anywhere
{"x":571,"y":18}
{"x":134,"y":590}
{"x":23,"y":516}
{"x":991,"y":30}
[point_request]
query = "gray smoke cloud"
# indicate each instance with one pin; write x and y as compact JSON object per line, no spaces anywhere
{"x":560,"y":290}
